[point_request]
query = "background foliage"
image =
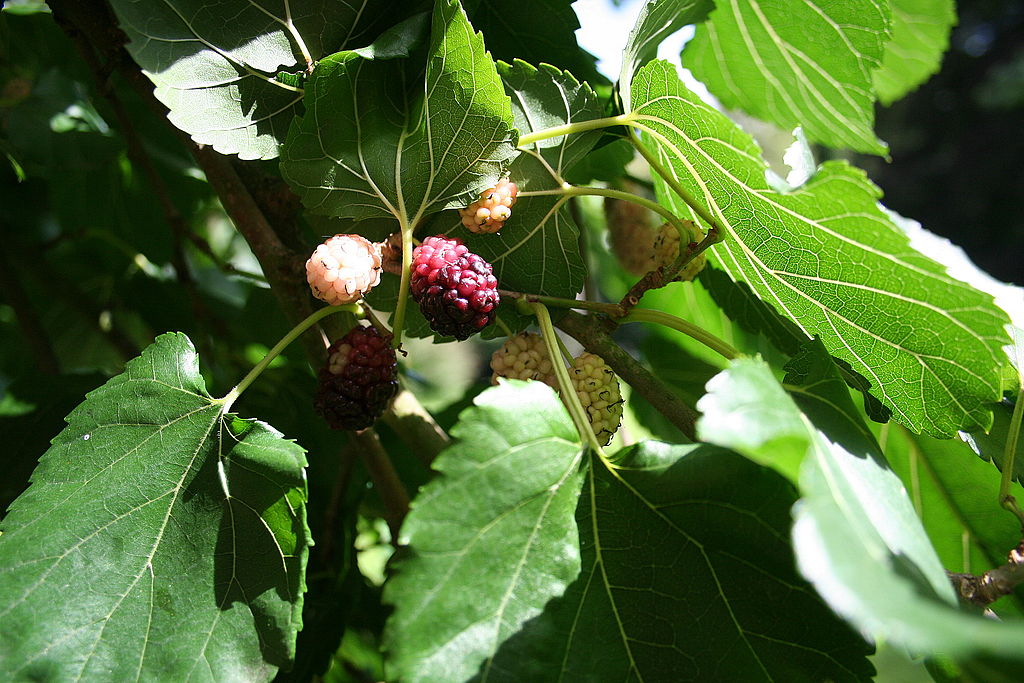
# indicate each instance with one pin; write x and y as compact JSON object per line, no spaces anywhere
{"x":811,"y":514}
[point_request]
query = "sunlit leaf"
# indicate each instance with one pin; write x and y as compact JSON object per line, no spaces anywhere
{"x":215,"y":64}
{"x":159,"y":538}
{"x":803,"y":64}
{"x":657,"y":21}
{"x":491,"y":540}
{"x":676,"y":542}
{"x":382,"y":138}
{"x":920,"y":36}
{"x":856,"y":534}
{"x":830,"y":260}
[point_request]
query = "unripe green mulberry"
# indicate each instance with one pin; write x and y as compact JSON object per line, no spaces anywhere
{"x":598,"y":391}
{"x":525,"y":357}
{"x":666,"y":249}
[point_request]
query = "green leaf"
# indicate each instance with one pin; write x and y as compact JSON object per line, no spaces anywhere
{"x":991,"y":445}
{"x":215,"y":64}
{"x":126,"y":558}
{"x":856,"y":535}
{"x":381,"y":138}
{"x":830,"y":260}
{"x":920,"y":36}
{"x":537,"y":250}
{"x":491,"y":540}
{"x":538,"y":32}
{"x":657,"y":21}
{"x":956,"y":495}
{"x":687,"y":575}
{"x":803,"y":64}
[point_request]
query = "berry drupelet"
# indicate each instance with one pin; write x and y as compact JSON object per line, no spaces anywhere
{"x":454,"y":288}
{"x":359,"y":380}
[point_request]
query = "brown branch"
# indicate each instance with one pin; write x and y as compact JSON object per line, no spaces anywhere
{"x":985,"y":589}
{"x":94,"y":30}
{"x":659,"y":277}
{"x":593,"y":332}
{"x":416,"y":427}
{"x":385,"y":479}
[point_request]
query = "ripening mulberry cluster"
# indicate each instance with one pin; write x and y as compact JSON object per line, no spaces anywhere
{"x":455,"y":289}
{"x":631,"y":233}
{"x":525,"y":357}
{"x":666,"y":249}
{"x":489,"y":213}
{"x":641,"y":246}
{"x":359,"y":380}
{"x":598,"y":391}
{"x":344,"y":269}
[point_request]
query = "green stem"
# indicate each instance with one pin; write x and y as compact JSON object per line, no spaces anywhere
{"x":569,"y":397}
{"x":1009,"y":454}
{"x":398,"y":323}
{"x":685,"y":234}
{"x":613,"y":310}
{"x":280,"y":346}
{"x":667,"y":176}
{"x":504,"y":328}
{"x":569,"y":128}
{"x":689,"y":329}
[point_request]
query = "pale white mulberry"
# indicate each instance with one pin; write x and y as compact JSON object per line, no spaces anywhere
{"x":344,"y":269}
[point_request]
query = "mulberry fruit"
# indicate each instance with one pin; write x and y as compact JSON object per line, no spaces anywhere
{"x":454,"y":288}
{"x":666,"y":249}
{"x":359,"y":380}
{"x":344,"y":269}
{"x":489,"y":213}
{"x":631,"y":232}
{"x":524,"y":356}
{"x":598,"y":391}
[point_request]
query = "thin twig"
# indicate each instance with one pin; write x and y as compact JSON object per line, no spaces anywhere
{"x":995,"y":583}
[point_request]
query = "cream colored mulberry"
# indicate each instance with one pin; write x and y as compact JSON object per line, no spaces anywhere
{"x":344,"y":269}
{"x":525,"y":357}
{"x":489,"y":213}
{"x":598,"y":390}
{"x":666,"y":249}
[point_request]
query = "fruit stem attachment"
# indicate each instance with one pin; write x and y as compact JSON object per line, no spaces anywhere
{"x":714,"y":227}
{"x":686,"y":235}
{"x":228,"y":399}
{"x":613,"y":310}
{"x":1006,"y":499}
{"x":398,"y":322}
{"x":569,"y":397}
{"x":570,"y":128}
{"x":646,"y":315}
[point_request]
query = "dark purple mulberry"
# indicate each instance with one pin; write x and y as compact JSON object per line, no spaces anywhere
{"x":455,"y":289}
{"x":360,"y":379}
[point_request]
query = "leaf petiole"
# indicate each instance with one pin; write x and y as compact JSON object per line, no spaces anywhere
{"x":689,"y":329}
{"x":228,"y":399}
{"x":570,"y":128}
{"x":714,"y":227}
{"x":686,"y":235}
{"x":613,"y":310}
{"x":398,"y":322}
{"x":569,"y":397}
{"x":1005,"y":498}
